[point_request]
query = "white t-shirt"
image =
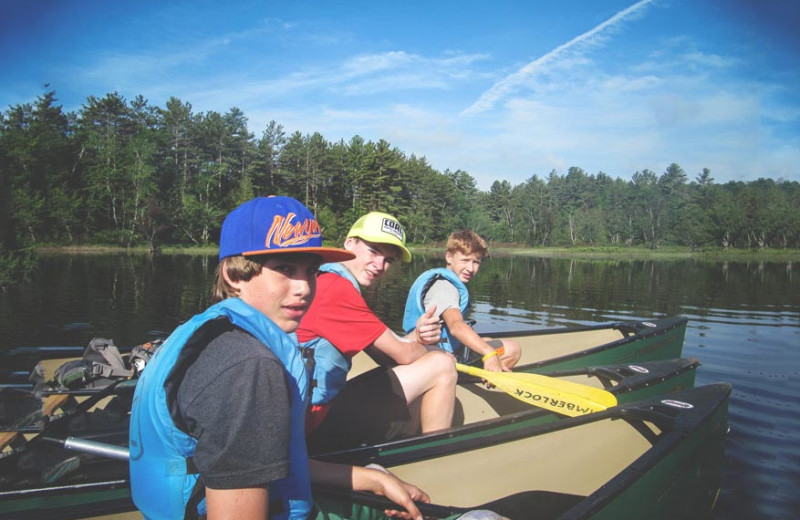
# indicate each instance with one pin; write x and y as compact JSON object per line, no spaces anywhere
{"x":444,"y":295}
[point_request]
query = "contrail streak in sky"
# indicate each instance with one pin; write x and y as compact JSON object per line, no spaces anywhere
{"x":510,"y":82}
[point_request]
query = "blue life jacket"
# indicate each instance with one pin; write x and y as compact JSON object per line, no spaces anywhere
{"x":330,"y":365}
{"x":162,"y":478}
{"x":415,"y":304}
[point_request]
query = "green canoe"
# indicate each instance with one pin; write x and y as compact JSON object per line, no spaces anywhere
{"x":40,"y":479}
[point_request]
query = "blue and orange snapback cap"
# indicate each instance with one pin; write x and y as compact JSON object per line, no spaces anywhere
{"x":268,"y":225}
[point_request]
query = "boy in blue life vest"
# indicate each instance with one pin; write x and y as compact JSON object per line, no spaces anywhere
{"x":217,"y":423}
{"x":445,"y":290}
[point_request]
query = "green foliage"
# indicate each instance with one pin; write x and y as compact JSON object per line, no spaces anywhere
{"x":15,"y":266}
{"x":123,"y":172}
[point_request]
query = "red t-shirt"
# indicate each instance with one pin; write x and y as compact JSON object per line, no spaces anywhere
{"x":340,"y":315}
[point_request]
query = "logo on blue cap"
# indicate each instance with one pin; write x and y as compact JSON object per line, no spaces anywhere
{"x":287,"y":231}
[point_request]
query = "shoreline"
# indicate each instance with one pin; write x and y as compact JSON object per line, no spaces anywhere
{"x":587,"y":253}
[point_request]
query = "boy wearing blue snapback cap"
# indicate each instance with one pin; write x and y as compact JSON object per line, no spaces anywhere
{"x":217,"y":421}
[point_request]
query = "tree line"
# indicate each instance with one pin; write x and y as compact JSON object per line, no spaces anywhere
{"x":128,"y":173}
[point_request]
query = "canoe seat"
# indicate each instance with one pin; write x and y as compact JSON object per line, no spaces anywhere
{"x":542,"y":505}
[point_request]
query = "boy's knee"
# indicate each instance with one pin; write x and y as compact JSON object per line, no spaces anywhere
{"x":511,"y":346}
{"x":442,"y":365}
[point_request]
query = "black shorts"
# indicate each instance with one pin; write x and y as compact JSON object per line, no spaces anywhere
{"x":370,"y":409}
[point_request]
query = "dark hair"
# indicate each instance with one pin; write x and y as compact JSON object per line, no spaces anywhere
{"x":238,"y":268}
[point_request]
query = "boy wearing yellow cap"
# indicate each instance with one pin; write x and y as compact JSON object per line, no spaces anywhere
{"x":416,"y":388}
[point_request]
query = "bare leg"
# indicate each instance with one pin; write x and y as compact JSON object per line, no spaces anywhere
{"x":431,"y":379}
{"x":512,"y":353}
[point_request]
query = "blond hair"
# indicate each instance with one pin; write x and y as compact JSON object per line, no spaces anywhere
{"x":466,"y":242}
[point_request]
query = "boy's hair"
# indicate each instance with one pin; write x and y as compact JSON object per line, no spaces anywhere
{"x":466,"y":242}
{"x":238,"y":268}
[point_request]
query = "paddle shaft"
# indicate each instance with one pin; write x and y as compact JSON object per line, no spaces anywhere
{"x":103,"y":449}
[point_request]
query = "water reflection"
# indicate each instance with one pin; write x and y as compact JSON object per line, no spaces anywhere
{"x":744,"y":326}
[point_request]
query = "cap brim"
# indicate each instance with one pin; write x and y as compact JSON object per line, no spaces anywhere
{"x":406,"y":254}
{"x":328,"y":254}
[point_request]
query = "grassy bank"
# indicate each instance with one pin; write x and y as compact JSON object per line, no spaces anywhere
{"x":670,"y":253}
{"x":618,"y":253}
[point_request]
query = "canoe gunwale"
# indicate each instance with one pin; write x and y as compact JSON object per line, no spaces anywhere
{"x":650,"y":410}
{"x":628,"y":328}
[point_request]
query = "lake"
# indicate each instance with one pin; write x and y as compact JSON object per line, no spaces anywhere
{"x":744,"y":326}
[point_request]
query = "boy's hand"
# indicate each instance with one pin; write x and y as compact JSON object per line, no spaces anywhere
{"x":429,"y":328}
{"x":493,"y":362}
{"x":384,"y":483}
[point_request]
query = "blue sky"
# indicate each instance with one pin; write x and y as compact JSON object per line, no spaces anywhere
{"x":502,"y":89}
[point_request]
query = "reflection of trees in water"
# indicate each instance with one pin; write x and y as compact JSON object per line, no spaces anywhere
{"x":116,"y":296}
{"x":604,"y":290}
{"x":124,"y":297}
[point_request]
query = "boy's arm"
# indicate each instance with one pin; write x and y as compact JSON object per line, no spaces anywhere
{"x":377,"y":481}
{"x":224,"y":504}
{"x":404,"y":351}
{"x":465,"y":334}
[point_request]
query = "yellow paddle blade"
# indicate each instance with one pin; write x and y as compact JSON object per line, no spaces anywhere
{"x":550,"y":393}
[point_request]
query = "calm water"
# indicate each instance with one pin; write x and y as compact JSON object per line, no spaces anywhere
{"x":744,"y":326}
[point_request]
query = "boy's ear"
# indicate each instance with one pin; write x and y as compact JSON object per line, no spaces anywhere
{"x":350,"y":243}
{"x":448,"y":257}
{"x":235,"y":284}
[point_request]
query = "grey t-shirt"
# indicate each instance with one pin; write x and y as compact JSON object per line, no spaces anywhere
{"x":235,"y":402}
{"x":443,"y":294}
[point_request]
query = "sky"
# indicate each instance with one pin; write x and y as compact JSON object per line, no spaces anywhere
{"x":503,"y":90}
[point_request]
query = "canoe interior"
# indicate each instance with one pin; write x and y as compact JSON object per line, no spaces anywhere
{"x":610,"y":445}
{"x":546,"y":350}
{"x":535,"y":348}
{"x":52,"y":406}
{"x":650,"y":460}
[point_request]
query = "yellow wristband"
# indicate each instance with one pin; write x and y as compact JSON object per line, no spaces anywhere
{"x":493,"y":353}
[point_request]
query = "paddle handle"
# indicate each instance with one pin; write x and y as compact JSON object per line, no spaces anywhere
{"x":93,"y":447}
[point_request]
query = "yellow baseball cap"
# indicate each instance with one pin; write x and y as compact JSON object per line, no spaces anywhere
{"x":381,"y":228}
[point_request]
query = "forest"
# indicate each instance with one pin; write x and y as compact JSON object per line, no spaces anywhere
{"x":126,"y":173}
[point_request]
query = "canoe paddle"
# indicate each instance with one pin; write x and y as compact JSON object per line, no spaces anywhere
{"x":550,"y":393}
